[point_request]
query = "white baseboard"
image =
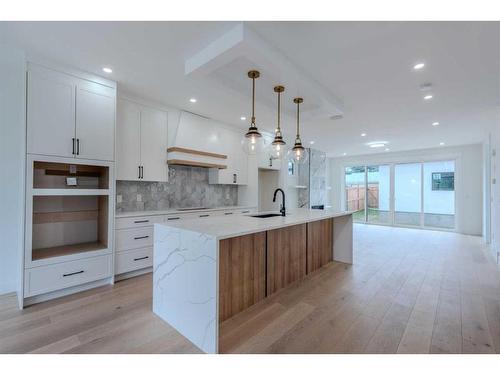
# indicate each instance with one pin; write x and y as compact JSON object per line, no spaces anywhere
{"x":128,"y":275}
{"x":65,"y":292}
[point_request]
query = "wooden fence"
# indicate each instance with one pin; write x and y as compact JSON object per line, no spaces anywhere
{"x":355,"y":197}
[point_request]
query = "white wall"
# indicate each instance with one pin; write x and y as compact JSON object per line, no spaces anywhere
{"x":468,"y":178}
{"x":12,"y":154}
{"x":269,"y":181}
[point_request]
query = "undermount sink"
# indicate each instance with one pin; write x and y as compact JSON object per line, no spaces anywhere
{"x":263,"y":216}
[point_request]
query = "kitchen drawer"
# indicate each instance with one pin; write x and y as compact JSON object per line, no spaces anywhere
{"x":138,"y":221}
{"x":53,"y":277}
{"x":132,"y":260}
{"x":127,"y":239}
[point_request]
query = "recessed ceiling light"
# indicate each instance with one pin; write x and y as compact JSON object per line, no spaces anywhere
{"x":387,"y":149}
{"x":344,"y":154}
{"x":193,"y":100}
{"x":436,"y":123}
{"x":428,"y":97}
{"x":243,"y":118}
{"x":418,"y":66}
{"x":363,"y":134}
{"x":441,"y":143}
{"x":107,"y":70}
{"x":377,"y":144}
{"x":311,"y":142}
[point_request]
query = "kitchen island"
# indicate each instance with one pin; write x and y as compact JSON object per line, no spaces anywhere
{"x":208,"y":270}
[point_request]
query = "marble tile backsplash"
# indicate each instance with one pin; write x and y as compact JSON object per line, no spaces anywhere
{"x":187,"y":187}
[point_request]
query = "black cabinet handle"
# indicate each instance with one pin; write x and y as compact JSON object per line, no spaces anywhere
{"x":141,"y":221}
{"x":78,"y":146}
{"x":73,"y":152}
{"x":173,"y":218}
{"x":234,"y":178}
{"x":142,"y":172}
{"x":139,"y":168}
{"x":206,"y":215}
{"x":141,"y":237}
{"x":72,"y":273}
{"x":136,"y":259}
{"x":228,"y":213}
{"x":245,"y":212}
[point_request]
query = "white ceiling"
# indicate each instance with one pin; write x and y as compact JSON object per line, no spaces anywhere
{"x":367,"y":65}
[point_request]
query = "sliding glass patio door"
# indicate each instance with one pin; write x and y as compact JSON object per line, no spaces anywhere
{"x":404,"y":194}
{"x":378,"y":199}
{"x":408,"y":194}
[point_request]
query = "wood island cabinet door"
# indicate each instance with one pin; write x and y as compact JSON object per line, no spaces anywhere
{"x":319,"y":244}
{"x":286,"y":256}
{"x":242,"y":273}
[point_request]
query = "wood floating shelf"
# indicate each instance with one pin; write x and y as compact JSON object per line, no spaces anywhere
{"x":196,"y":152}
{"x":191,"y":163}
{"x":57,"y":251}
{"x":69,"y":191}
{"x":66,"y":216}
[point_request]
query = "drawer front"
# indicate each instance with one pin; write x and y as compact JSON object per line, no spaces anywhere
{"x":128,"y":239}
{"x":138,"y":221}
{"x":53,"y":277}
{"x":132,"y":260}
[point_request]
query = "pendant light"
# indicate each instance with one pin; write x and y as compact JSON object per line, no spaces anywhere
{"x":253,"y":142}
{"x":278,"y":144}
{"x":298,"y":153}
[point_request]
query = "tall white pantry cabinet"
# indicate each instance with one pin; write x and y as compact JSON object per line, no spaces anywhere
{"x":70,"y":195}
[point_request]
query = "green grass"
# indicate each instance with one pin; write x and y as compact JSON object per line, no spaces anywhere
{"x":373,"y":215}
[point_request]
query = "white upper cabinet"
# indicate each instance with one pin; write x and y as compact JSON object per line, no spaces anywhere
{"x":69,"y":116}
{"x":153,"y":145}
{"x":128,"y":140}
{"x":141,"y":142}
{"x":51,"y":113}
{"x":95,"y":121}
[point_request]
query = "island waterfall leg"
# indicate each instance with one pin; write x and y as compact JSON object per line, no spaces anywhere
{"x":342,"y":239}
{"x":185,"y":284}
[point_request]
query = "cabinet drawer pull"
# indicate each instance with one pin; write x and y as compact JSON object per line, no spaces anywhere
{"x":72,"y":273}
{"x":141,"y":237}
{"x":141,"y":258}
{"x":141,"y":221}
{"x":78,"y":146}
{"x":73,"y":139}
{"x":228,"y":213}
{"x":245,"y":212}
{"x":206,"y":215}
{"x":173,"y":218}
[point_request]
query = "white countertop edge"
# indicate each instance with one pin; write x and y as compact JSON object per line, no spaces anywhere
{"x":184,"y":225}
{"x":119,"y":215}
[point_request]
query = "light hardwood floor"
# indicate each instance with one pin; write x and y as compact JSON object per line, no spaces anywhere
{"x":409,"y":291}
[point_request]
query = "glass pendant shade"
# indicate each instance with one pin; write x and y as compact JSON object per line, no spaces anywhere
{"x":298,"y":154}
{"x":278,"y":144}
{"x":253,"y":142}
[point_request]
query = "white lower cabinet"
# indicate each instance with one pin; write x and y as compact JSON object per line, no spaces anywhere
{"x":127,"y":239}
{"x":45,"y":279}
{"x":134,"y":243}
{"x":131,"y":260}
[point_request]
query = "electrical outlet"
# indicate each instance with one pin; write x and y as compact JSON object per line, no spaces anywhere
{"x":118,"y":198}
{"x":139,"y":198}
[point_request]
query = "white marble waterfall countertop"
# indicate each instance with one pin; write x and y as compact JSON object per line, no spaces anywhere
{"x":229,"y":226}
